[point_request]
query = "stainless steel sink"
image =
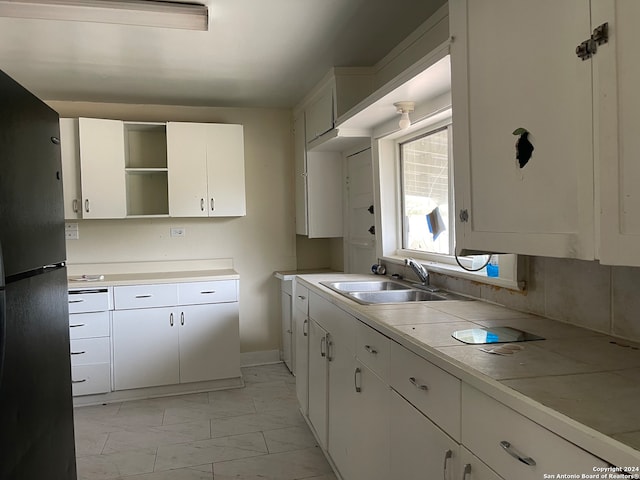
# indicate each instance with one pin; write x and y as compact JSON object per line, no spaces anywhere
{"x":402,"y":296}
{"x":365,"y":286}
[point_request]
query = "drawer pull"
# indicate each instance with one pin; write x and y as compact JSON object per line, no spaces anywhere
{"x":77,"y":325}
{"x":305,"y":325}
{"x":171,"y":319}
{"x":356,"y":373}
{"x":415,"y":383}
{"x":146,"y":295}
{"x":447,"y":456}
{"x":79,"y":381}
{"x":78,"y":353}
{"x":80,"y":300}
{"x":207,"y":292}
{"x":302,"y":297}
{"x":202,"y":204}
{"x":181,"y":318}
{"x":511,"y":451}
{"x":466,"y":471}
{"x":372,"y":351}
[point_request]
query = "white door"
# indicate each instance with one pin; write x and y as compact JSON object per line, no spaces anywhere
{"x":209,"y":342}
{"x":102,"y":168}
{"x":301,"y":335}
{"x":616,"y":79}
{"x":300,"y":158}
{"x":70,"y":152}
{"x":318,"y":380}
{"x":418,"y":445}
{"x":507,"y":76}
{"x":145,"y":348}
{"x":361,"y":239}
{"x":225,"y":170}
{"x":187,"y":165}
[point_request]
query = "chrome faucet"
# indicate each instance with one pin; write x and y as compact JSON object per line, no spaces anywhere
{"x":419,"y":270}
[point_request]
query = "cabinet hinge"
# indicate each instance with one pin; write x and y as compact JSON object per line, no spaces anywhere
{"x":589,"y":47}
{"x":464,"y":215}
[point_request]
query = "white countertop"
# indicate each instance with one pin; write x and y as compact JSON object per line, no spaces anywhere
{"x":578,"y":383}
{"x":114,"y":279}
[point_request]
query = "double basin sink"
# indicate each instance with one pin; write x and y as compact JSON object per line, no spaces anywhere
{"x":367,"y":292}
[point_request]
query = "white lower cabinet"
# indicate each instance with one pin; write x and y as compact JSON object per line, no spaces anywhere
{"x":419,"y":449}
{"x":154,"y":345}
{"x":318,"y":379}
{"x":301,"y":340}
{"x":287,"y":351}
{"x":472,"y":468}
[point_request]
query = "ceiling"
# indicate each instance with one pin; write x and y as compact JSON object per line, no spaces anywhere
{"x":266,"y":53}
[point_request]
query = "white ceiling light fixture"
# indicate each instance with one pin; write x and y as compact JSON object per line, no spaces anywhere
{"x":404,"y":108}
{"x":144,"y":13}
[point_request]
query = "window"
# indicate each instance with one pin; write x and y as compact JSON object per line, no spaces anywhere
{"x":426,"y":171}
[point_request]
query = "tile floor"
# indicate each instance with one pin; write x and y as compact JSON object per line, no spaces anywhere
{"x":251,"y":433}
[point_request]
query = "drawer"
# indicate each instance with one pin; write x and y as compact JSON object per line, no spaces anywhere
{"x":372,"y":349}
{"x":88,"y":300}
{"x":89,"y":379}
{"x":86,"y":351}
{"x":219,"y":291}
{"x":286,"y":286}
{"x":88,"y":325}
{"x":498,"y":435}
{"x":430,"y":389}
{"x":145,"y":296}
{"x":301,"y":300}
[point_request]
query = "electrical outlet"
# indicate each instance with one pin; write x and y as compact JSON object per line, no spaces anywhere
{"x":71,"y":231}
{"x":178,"y":232}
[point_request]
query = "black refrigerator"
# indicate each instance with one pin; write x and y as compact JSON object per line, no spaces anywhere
{"x":36,"y":412}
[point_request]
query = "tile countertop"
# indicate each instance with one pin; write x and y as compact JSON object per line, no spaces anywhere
{"x":578,"y":383}
{"x":114,"y":279}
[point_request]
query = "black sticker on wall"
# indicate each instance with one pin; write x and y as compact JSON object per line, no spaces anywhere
{"x":524,"y":148}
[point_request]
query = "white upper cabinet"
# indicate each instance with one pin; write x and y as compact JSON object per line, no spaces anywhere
{"x":300,"y":159}
{"x":514,"y":66}
{"x":320,"y":115}
{"x":206,"y":170}
{"x":102,"y":160}
{"x":70,"y":152}
{"x":617,"y":106}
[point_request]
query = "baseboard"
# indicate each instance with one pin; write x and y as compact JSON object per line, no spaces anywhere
{"x":264,"y":357}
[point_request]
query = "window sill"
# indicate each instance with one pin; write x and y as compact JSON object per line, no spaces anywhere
{"x":457,"y":272}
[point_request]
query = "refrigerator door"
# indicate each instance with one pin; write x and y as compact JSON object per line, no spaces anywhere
{"x":31,"y":211}
{"x":36,"y":413}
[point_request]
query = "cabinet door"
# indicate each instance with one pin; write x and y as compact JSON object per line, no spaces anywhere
{"x":320,"y":115}
{"x":70,"y":151}
{"x":301,"y":333}
{"x":318,"y":380}
{"x":324,"y":190}
{"x":225,"y":170}
{"x":102,"y":168}
{"x":475,"y":469}
{"x":617,"y":75}
{"x":372,"y":417}
{"x":187,"y":164}
{"x":300,"y":158}
{"x":145,"y":348}
{"x":287,"y":330}
{"x":209,"y":342}
{"x":419,"y":446}
{"x":506,"y":76}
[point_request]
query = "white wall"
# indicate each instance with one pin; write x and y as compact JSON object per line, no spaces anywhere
{"x":259,"y":244}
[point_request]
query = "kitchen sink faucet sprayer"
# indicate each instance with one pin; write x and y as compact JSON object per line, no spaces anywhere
{"x":419,"y":269}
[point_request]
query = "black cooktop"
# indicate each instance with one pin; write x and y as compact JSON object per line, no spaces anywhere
{"x":478,"y":336}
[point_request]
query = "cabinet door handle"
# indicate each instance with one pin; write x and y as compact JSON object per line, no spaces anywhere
{"x":86,"y":205}
{"x":415,"y":383}
{"x":213,"y":204}
{"x":372,"y":351}
{"x":289,"y":331}
{"x":302,"y":297}
{"x":78,"y":353}
{"x":329,"y":348}
{"x":181,"y":318}
{"x":323,"y":342}
{"x":305,"y":326}
{"x":79,"y":381}
{"x":357,"y":373}
{"x":146,"y":295}
{"x":74,"y":205}
{"x":77,"y":301}
{"x":202,"y":204}
{"x":171,"y":319}
{"x":447,"y":456}
{"x":77,"y":325}
{"x":466,"y":471}
{"x":515,"y":454}
{"x":207,"y":292}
